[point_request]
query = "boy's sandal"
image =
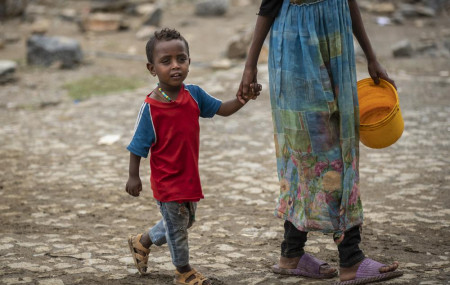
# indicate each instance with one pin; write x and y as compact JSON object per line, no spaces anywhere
{"x":369,"y":272}
{"x":139,"y":260}
{"x":194,"y":277}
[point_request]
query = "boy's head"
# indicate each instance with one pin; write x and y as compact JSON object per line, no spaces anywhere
{"x":163,"y":35}
{"x":168,"y":58}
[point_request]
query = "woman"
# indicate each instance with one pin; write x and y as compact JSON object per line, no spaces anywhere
{"x":316,"y":121}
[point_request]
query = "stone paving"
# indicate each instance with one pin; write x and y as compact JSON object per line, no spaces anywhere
{"x":65,"y":216}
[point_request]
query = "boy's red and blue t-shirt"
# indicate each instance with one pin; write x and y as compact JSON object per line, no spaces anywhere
{"x":171,"y":133}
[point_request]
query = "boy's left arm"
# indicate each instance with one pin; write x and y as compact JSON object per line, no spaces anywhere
{"x":230,"y":107}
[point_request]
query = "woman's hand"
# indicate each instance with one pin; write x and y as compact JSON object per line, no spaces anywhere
{"x":246,"y":92}
{"x":248,"y":88}
{"x":376,"y":71}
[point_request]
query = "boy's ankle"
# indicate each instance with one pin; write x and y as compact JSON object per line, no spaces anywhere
{"x":184,"y":269}
{"x":145,"y":240}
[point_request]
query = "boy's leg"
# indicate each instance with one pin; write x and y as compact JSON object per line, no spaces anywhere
{"x":140,"y":244}
{"x":156,"y":234}
{"x":176,"y":218}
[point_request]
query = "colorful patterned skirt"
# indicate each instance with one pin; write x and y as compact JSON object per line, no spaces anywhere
{"x":315,"y":116}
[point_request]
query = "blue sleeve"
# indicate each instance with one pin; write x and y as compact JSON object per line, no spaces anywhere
{"x":207,"y":104}
{"x":144,"y":133}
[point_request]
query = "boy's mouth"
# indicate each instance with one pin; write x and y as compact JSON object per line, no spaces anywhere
{"x":176,"y":75}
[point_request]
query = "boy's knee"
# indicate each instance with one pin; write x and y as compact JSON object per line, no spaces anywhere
{"x":186,"y":217}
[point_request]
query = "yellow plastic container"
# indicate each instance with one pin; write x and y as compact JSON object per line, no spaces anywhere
{"x":381,"y":122}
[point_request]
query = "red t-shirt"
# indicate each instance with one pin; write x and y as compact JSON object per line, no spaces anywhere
{"x":171,"y":130}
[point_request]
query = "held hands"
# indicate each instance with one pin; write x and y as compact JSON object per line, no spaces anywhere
{"x":249,"y":87}
{"x":254,"y":91}
{"x":134,"y":186}
{"x":376,"y":71}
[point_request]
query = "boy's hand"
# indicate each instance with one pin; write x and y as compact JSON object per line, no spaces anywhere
{"x":255,"y":90}
{"x":134,"y":186}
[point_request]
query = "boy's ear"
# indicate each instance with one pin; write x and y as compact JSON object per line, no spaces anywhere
{"x":151,"y":68}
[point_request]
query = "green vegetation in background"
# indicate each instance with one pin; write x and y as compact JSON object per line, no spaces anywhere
{"x":100,"y":85}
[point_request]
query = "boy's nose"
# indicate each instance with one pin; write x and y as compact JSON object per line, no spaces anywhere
{"x":175,"y":64}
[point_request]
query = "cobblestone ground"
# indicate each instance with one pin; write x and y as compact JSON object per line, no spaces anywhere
{"x":65,"y":216}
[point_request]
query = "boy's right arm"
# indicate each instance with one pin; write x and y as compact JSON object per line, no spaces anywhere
{"x":143,"y":138}
{"x":134,"y":184}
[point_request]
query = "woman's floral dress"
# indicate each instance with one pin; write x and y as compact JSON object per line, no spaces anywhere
{"x":316,"y":116}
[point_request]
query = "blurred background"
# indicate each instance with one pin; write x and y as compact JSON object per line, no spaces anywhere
{"x":62,"y":48}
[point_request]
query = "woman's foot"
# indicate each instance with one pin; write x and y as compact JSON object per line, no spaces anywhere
{"x":306,"y":265}
{"x":349,"y":273}
{"x":291,"y":263}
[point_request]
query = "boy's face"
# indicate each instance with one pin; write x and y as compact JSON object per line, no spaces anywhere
{"x":170,"y":63}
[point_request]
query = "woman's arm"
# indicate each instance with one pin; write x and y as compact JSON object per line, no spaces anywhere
{"x":376,"y":71}
{"x":262,"y":27}
{"x":359,"y":31}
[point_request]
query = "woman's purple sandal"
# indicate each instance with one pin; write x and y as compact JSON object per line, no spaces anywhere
{"x":369,"y":272}
{"x":308,"y":266}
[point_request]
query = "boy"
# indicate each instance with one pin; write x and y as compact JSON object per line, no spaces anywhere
{"x":168,"y":127}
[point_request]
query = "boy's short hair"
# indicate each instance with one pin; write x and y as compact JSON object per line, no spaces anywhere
{"x":165,"y":34}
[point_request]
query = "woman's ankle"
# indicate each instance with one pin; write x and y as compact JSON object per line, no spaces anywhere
{"x":289,"y":262}
{"x":348,"y":273}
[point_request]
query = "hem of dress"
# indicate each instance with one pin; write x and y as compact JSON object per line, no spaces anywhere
{"x":284,"y":216}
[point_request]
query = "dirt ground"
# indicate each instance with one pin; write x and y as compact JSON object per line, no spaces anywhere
{"x":64,"y":214}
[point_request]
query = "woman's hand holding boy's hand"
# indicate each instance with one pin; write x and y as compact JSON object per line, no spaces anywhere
{"x":249,"y":79}
{"x":134,"y":186}
{"x":253,"y":92}
{"x":230,"y":107}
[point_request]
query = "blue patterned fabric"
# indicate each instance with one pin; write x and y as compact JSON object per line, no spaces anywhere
{"x":316,"y":116}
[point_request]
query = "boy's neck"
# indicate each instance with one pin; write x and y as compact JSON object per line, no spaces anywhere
{"x":172,"y":91}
